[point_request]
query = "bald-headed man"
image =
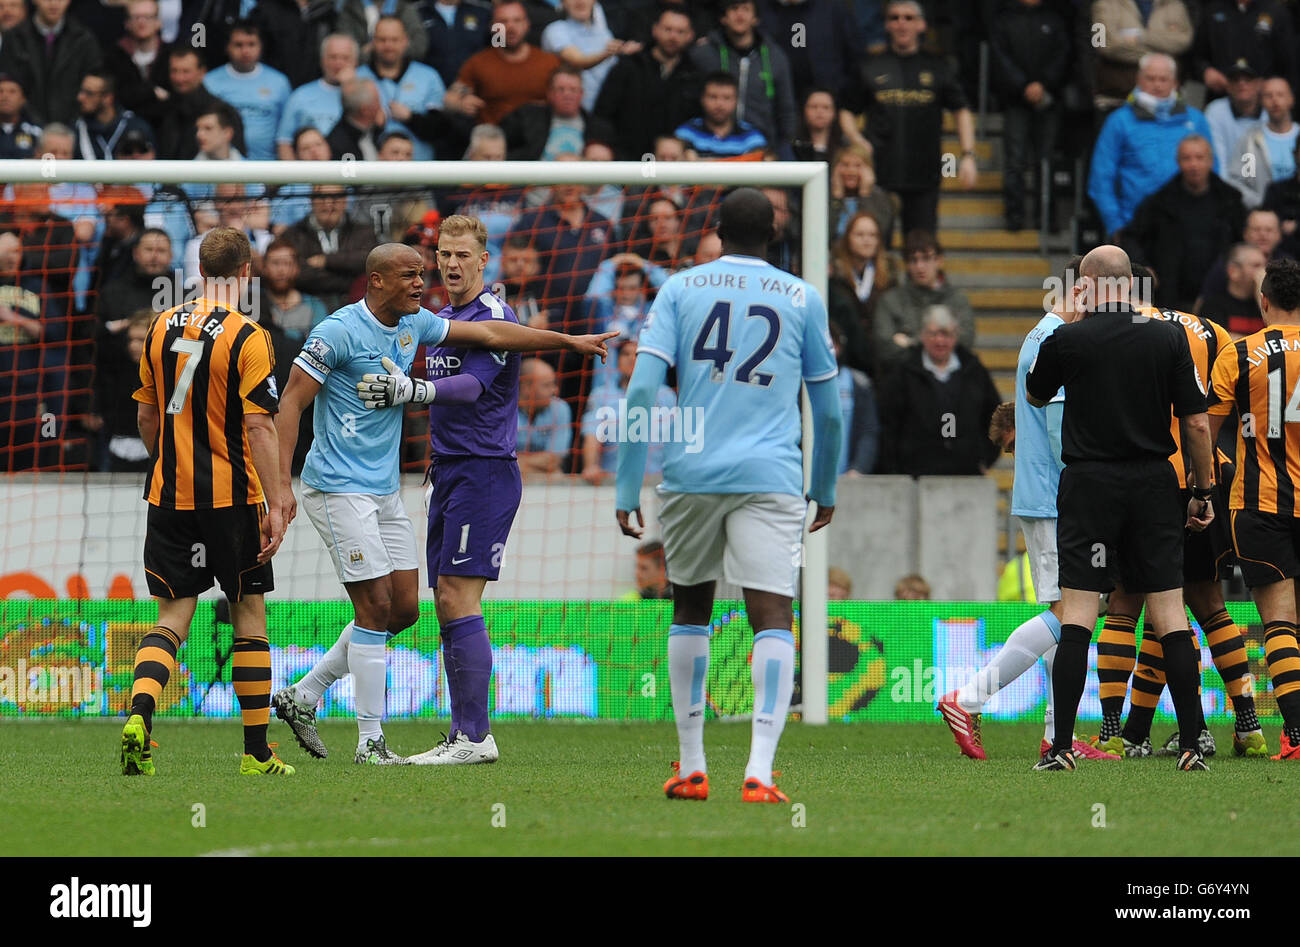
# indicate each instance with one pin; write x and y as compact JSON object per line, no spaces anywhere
{"x":1119,"y":513}
{"x":355,"y":364}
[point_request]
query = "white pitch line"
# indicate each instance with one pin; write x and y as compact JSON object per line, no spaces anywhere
{"x":274,"y":848}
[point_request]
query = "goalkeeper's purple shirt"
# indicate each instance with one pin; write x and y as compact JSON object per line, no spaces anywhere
{"x":486,"y":428}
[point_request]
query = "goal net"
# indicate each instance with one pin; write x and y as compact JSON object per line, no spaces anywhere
{"x":89,"y":252}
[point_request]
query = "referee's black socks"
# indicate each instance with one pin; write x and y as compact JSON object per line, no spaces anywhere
{"x":1069,"y":672}
{"x":1183,"y":680}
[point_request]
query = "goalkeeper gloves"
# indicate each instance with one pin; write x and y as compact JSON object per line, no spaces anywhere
{"x":396,"y":387}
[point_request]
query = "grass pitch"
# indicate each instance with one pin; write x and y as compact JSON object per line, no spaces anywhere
{"x":594,"y":789}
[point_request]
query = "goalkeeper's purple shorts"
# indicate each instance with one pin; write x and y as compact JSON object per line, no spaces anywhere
{"x":471,"y":503}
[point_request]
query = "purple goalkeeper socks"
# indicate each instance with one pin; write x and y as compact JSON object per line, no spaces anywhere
{"x":467,"y":654}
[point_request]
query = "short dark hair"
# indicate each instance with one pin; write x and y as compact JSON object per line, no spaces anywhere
{"x":1281,"y":286}
{"x":920,"y":241}
{"x":746,"y":218}
{"x":630,"y":269}
{"x":518,"y":241}
{"x":110,"y":83}
{"x":395,"y":133}
{"x":279,"y":243}
{"x":564,"y":69}
{"x":666,"y":8}
{"x":226,"y":115}
{"x":156,"y":232}
{"x":1071,"y":271}
{"x":651,"y":547}
{"x":179,"y":51}
{"x":245,"y":25}
{"x":720,"y":78}
{"x":133,"y":211}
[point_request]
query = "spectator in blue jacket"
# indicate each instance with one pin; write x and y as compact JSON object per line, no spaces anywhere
{"x":1137,"y":151}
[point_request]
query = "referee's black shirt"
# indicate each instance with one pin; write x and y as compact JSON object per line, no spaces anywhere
{"x":1121,"y":372}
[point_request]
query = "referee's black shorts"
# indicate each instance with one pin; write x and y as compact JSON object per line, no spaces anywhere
{"x":1208,"y":555}
{"x":1120,"y":521}
{"x":184,"y":550}
{"x":1268,"y":546}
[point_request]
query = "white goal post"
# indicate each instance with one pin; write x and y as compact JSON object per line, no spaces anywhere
{"x":811,"y":177}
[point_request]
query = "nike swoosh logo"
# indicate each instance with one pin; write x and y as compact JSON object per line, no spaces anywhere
{"x":456,"y":562}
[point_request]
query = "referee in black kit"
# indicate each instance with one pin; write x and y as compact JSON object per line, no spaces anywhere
{"x":1119,"y":513}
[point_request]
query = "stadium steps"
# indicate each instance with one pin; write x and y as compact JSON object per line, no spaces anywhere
{"x":1001,"y":273}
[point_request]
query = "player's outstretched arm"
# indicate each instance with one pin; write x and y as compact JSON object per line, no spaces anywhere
{"x":298,"y":393}
{"x":260,"y":430}
{"x":828,"y":423}
{"x":500,"y":335}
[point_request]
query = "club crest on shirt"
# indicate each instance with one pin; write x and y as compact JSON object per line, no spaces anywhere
{"x":406,"y":340}
{"x":926,"y":77}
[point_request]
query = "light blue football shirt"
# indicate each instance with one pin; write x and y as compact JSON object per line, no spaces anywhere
{"x":742,"y":335}
{"x":420,"y":89}
{"x":259,"y":96}
{"x":356,"y":448}
{"x":1038,"y":469}
{"x":317,"y":104}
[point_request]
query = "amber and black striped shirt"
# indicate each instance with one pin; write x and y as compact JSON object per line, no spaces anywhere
{"x":1259,"y":377}
{"x":205,"y":368}
{"x":1205,"y":339}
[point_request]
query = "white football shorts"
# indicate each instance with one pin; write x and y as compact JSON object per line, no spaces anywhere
{"x":1040,"y":541}
{"x":368,"y":536}
{"x":751,"y":539}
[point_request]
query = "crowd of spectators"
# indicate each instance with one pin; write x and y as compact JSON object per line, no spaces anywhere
{"x":863,"y":85}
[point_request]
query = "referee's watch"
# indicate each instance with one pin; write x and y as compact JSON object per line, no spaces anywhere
{"x":1206,"y":495}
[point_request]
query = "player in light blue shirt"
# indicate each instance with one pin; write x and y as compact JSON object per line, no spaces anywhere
{"x":406,"y":87}
{"x":743,"y":336}
{"x":350,"y":479}
{"x":1036,"y":442}
{"x":257,"y":91}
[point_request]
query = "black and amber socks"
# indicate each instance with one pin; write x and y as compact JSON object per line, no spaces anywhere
{"x":1228,"y":648}
{"x":1116,"y":654}
{"x":154,"y":662}
{"x":251,"y":675}
{"x":1283,"y":655}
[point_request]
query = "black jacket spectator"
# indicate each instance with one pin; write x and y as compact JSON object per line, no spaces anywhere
{"x":832,"y":45}
{"x":917,"y":437}
{"x":20,"y":139}
{"x":1283,"y":198}
{"x":333,"y":281}
{"x":345,"y":139}
{"x":528,"y":127}
{"x":1180,"y":235}
{"x":1028,"y":44}
{"x":96,"y":141}
{"x":1262,"y":34}
{"x":217,"y":16}
{"x":450,"y":46}
{"x":50,"y":81}
{"x":122,"y":296}
{"x":292,"y":36}
{"x":641,"y":103}
{"x":135,"y":89}
{"x":175,"y":131}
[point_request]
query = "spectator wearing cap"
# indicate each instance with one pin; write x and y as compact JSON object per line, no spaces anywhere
{"x":102,"y":124}
{"x":408,"y":87}
{"x":18,"y":133}
{"x":49,"y":53}
{"x":139,"y":62}
{"x":1258,"y":31}
{"x":167,"y":208}
{"x":257,"y":91}
{"x":1126,"y":31}
{"x":1137,"y":150}
{"x":898,"y":315}
{"x":355,"y":136}
{"x":1266,"y":153}
{"x":718,"y":135}
{"x":537,"y":131}
{"x":1236,"y":113}
{"x":935,"y":406}
{"x":761,"y":68}
{"x":1184,"y":225}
